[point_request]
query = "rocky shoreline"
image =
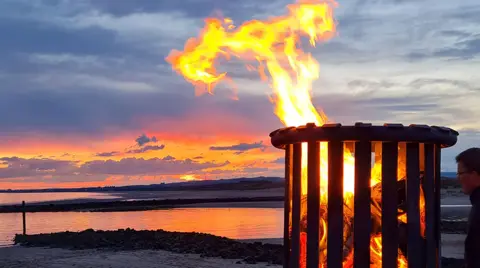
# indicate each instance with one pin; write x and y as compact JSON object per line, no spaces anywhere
{"x":186,"y":243}
{"x":128,"y":239}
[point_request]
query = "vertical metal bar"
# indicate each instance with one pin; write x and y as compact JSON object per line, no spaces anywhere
{"x":414,"y":239}
{"x":389,"y":205}
{"x":438,"y":161}
{"x":296,"y":204}
{"x":313,"y":204}
{"x":362,"y":219}
{"x":335,"y":205}
{"x":24,"y":218}
{"x":287,"y":204}
{"x":430,"y":217}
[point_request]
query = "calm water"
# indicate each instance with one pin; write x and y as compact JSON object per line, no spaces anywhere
{"x":238,"y":223}
{"x":17,"y":198}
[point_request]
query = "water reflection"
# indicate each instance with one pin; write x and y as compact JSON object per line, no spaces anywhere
{"x":238,"y":223}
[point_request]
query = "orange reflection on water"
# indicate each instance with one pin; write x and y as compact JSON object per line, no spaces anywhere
{"x":237,"y":223}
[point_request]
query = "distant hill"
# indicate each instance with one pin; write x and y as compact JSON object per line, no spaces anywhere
{"x":255,"y":183}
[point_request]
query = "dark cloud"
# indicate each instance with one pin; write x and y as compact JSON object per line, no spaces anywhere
{"x":64,"y":111}
{"x":466,"y":14}
{"x":360,"y":84}
{"x":192,"y":8}
{"x":144,"y":139}
{"x":241,"y":147}
{"x":280,"y":160}
{"x":21,"y":167}
{"x":146,"y":149}
{"x":28,"y":36}
{"x":107,"y":154}
{"x":198,"y":157}
{"x":140,"y":166}
{"x":430,"y":82}
{"x":455,"y":33}
{"x":64,"y":170}
{"x":466,"y":49}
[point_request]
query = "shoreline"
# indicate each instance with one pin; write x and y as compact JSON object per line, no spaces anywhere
{"x":451,"y":199}
{"x":198,"y":248}
{"x":135,"y":205}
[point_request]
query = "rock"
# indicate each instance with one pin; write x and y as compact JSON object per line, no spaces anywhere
{"x":205,"y":245}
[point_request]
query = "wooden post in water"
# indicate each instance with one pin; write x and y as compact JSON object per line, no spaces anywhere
{"x":24,"y":219}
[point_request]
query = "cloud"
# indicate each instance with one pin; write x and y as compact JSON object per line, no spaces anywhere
{"x":241,"y":147}
{"x":467,"y":49}
{"x":280,"y":160}
{"x":62,"y":170}
{"x":146,"y":149}
{"x":143,"y":139}
{"x":140,"y":166}
{"x":21,"y":167}
{"x":107,"y":154}
{"x":95,"y":70}
{"x":62,"y":111}
{"x":141,"y":142}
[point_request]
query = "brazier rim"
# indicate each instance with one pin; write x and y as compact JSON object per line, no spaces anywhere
{"x":445,"y":137}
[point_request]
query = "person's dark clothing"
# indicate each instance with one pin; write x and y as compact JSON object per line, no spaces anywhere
{"x":472,"y":242}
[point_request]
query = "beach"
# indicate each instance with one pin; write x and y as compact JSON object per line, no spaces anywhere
{"x":455,"y":208}
{"x":43,"y":257}
{"x":21,"y":257}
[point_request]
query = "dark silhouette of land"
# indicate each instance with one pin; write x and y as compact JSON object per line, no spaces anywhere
{"x":255,"y":183}
{"x":162,"y":196}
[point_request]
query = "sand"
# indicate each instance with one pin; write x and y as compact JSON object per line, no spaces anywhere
{"x":23,"y":257}
{"x":20,"y":257}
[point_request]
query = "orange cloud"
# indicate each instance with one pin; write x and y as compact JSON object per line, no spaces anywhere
{"x":210,"y":136}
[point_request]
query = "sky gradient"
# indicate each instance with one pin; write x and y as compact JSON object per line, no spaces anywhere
{"x":87,"y":98}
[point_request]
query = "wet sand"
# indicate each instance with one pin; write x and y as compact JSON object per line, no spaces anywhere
{"x":21,"y":257}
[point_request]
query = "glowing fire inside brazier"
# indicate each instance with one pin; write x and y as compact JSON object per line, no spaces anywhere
{"x":362,"y":195}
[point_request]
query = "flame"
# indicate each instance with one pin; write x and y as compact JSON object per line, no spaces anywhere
{"x":274,"y":44}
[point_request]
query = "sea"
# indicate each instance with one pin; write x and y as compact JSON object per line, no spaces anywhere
{"x":236,"y":223}
{"x":232,"y":222}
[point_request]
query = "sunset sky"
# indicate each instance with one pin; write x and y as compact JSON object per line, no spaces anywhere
{"x":87,"y":98}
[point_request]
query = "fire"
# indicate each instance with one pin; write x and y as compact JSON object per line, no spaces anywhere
{"x":290,"y":71}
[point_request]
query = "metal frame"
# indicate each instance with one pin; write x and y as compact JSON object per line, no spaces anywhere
{"x":445,"y":137}
{"x":423,"y":151}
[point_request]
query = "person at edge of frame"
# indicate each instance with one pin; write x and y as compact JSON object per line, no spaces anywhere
{"x":468,"y":173}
